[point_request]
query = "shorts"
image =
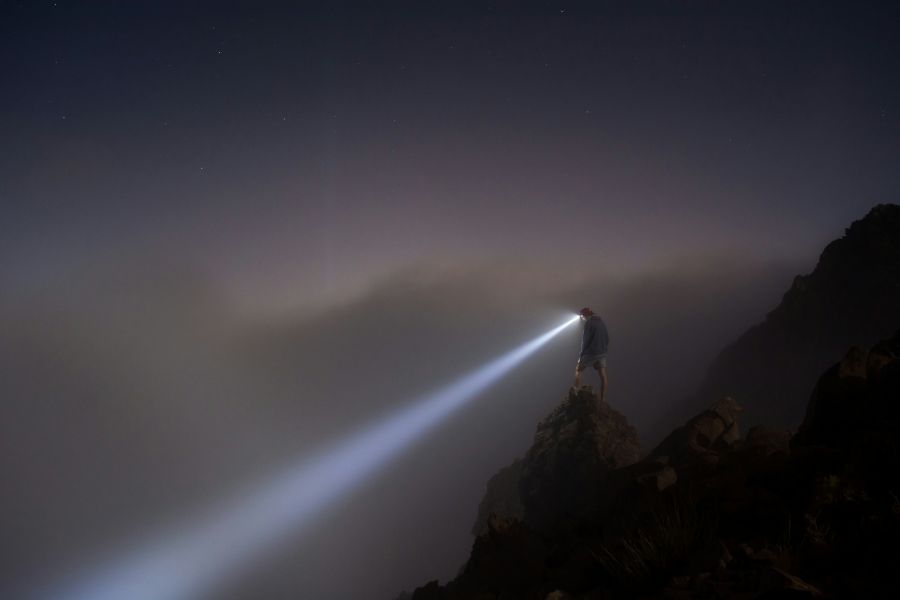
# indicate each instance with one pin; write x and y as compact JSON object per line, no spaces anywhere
{"x":598,"y":361}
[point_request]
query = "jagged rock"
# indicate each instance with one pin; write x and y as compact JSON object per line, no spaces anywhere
{"x":502,"y":497}
{"x":762,"y":441}
{"x":575,"y":448}
{"x":761,"y":520}
{"x":498,"y":524}
{"x":832,"y":408}
{"x":842,"y":401}
{"x":705,"y":437}
{"x":430,"y":591}
{"x":884,"y":383}
{"x":883,"y":354}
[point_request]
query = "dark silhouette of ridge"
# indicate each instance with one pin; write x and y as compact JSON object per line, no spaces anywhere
{"x":852,"y":297}
{"x":709,"y":513}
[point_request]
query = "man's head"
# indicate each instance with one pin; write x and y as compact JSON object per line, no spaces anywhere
{"x":585,"y":313}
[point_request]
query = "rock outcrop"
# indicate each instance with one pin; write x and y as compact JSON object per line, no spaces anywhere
{"x":576,"y":448}
{"x":502,"y":497}
{"x":856,"y":396}
{"x":708,"y":514}
{"x":565,"y":471}
{"x":705,"y":437}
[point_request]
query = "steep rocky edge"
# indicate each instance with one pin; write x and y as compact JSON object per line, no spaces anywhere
{"x":852,"y":297}
{"x":564,"y":472}
{"x":709,"y":513}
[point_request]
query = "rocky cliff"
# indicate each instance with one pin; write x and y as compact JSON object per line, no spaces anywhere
{"x":709,"y":513}
{"x":852,"y":297}
{"x":576,"y":449}
{"x":565,"y":472}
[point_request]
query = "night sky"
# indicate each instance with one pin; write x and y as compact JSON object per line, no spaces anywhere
{"x":234,"y":230}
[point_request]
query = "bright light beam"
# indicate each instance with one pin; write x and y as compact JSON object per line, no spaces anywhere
{"x":186,"y":563}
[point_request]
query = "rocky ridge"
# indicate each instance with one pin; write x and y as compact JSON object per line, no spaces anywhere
{"x":709,"y":513}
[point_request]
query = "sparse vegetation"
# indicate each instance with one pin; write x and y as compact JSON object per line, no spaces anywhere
{"x":677,"y":530}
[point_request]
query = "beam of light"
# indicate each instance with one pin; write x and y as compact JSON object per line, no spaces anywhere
{"x":185,"y":563}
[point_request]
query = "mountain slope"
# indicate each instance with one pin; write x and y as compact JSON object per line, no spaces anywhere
{"x":852,"y":297}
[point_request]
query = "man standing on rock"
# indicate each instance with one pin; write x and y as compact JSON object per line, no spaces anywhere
{"x":594,"y":343}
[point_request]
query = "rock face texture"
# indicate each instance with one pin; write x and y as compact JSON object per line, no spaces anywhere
{"x":852,"y":297}
{"x":857,"y":396}
{"x":708,"y":514}
{"x":705,"y":437}
{"x":502,"y":497}
{"x":576,"y":447}
{"x":565,"y":471}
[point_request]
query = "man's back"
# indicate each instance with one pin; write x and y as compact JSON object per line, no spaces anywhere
{"x":595,"y":340}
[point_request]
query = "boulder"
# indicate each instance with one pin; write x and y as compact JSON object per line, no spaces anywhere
{"x":860,"y":393}
{"x":833,"y":407}
{"x":703,"y":438}
{"x":762,"y":441}
{"x":575,"y":449}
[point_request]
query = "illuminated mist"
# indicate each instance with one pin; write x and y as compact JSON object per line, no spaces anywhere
{"x":189,"y":561}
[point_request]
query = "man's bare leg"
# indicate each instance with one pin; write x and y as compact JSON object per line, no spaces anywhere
{"x":603,"y":382}
{"x":578,"y":377}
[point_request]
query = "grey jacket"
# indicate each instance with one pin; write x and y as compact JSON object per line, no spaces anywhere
{"x":595,"y":339}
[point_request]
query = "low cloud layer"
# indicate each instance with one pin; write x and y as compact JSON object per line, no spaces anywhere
{"x":134,"y":393}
